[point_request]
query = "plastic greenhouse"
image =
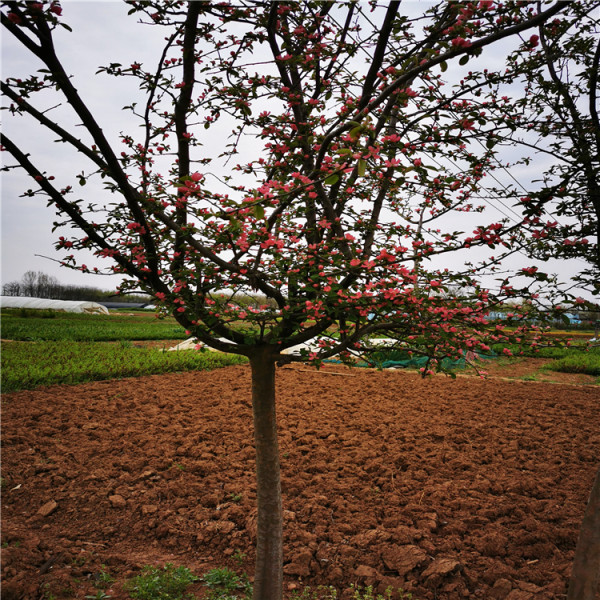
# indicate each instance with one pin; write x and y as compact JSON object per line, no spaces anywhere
{"x":74,"y":306}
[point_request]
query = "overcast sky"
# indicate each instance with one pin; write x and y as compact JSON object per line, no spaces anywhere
{"x":102,"y":33}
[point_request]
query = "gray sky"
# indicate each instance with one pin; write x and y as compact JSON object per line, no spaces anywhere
{"x":102,"y":33}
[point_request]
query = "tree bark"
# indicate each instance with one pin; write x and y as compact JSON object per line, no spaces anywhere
{"x":585,"y":575}
{"x":268,"y":574}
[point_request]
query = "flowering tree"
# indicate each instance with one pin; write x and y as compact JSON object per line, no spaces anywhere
{"x":560,"y":107}
{"x":557,"y":117}
{"x":352,"y":211}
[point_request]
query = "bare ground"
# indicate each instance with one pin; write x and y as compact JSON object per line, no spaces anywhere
{"x":450,"y":489}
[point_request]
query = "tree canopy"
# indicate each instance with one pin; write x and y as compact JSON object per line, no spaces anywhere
{"x":558,"y":117}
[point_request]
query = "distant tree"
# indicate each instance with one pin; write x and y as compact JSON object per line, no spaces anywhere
{"x":37,"y":284}
{"x":12,"y":288}
{"x":347,"y":217}
{"x":47,"y":285}
{"x":28,"y":284}
{"x":34,"y":284}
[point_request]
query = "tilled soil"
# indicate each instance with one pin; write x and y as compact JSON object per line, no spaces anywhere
{"x":450,"y":489}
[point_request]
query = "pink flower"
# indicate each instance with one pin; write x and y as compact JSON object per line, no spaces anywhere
{"x":14,"y":18}
{"x":56,"y":8}
{"x":196,"y":176}
{"x":417,"y":162}
{"x":459,"y":42}
{"x":534,"y":40}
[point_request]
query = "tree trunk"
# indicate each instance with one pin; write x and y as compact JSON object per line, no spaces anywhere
{"x":268,"y":575}
{"x":585,"y":575}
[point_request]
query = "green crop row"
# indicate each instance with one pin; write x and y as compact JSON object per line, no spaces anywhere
{"x":28,"y":326}
{"x":567,"y":359}
{"x":576,"y":349}
{"x":536,"y":352}
{"x":588,"y":363}
{"x":30,"y":365}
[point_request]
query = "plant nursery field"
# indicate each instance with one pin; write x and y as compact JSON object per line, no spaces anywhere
{"x":449,"y":489}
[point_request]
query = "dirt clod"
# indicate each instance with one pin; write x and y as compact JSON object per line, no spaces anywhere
{"x":117,"y":501}
{"x":48,"y":508}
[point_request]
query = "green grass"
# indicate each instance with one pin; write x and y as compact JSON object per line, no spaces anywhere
{"x":88,"y":328}
{"x":225,"y":584}
{"x":548,"y":351}
{"x":30,"y":365}
{"x":567,"y":359}
{"x":171,"y":583}
{"x":588,"y":363}
{"x":168,"y":583}
{"x":543,"y":352}
{"x":70,"y":348}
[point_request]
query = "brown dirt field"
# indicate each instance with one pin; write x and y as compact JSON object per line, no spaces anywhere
{"x":450,"y":489}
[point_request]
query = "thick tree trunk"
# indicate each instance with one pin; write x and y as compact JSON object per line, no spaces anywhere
{"x":585,"y":575}
{"x":268,"y":575}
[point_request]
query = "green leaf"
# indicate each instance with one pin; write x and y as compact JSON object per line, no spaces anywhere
{"x":332,"y":179}
{"x":354,"y":133}
{"x":464,"y":60}
{"x":259,"y":211}
{"x":234,"y":225}
{"x":362,"y":166}
{"x":444,"y":66}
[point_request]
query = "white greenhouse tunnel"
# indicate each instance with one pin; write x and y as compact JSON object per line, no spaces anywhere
{"x":74,"y":306}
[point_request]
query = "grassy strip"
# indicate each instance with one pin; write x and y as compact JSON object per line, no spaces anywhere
{"x":88,"y":328}
{"x":567,"y":359}
{"x":28,"y":365}
{"x":171,"y":583}
{"x":524,"y":351}
{"x":582,"y":363}
{"x":547,"y":352}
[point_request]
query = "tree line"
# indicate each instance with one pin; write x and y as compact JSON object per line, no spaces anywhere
{"x":36,"y":284}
